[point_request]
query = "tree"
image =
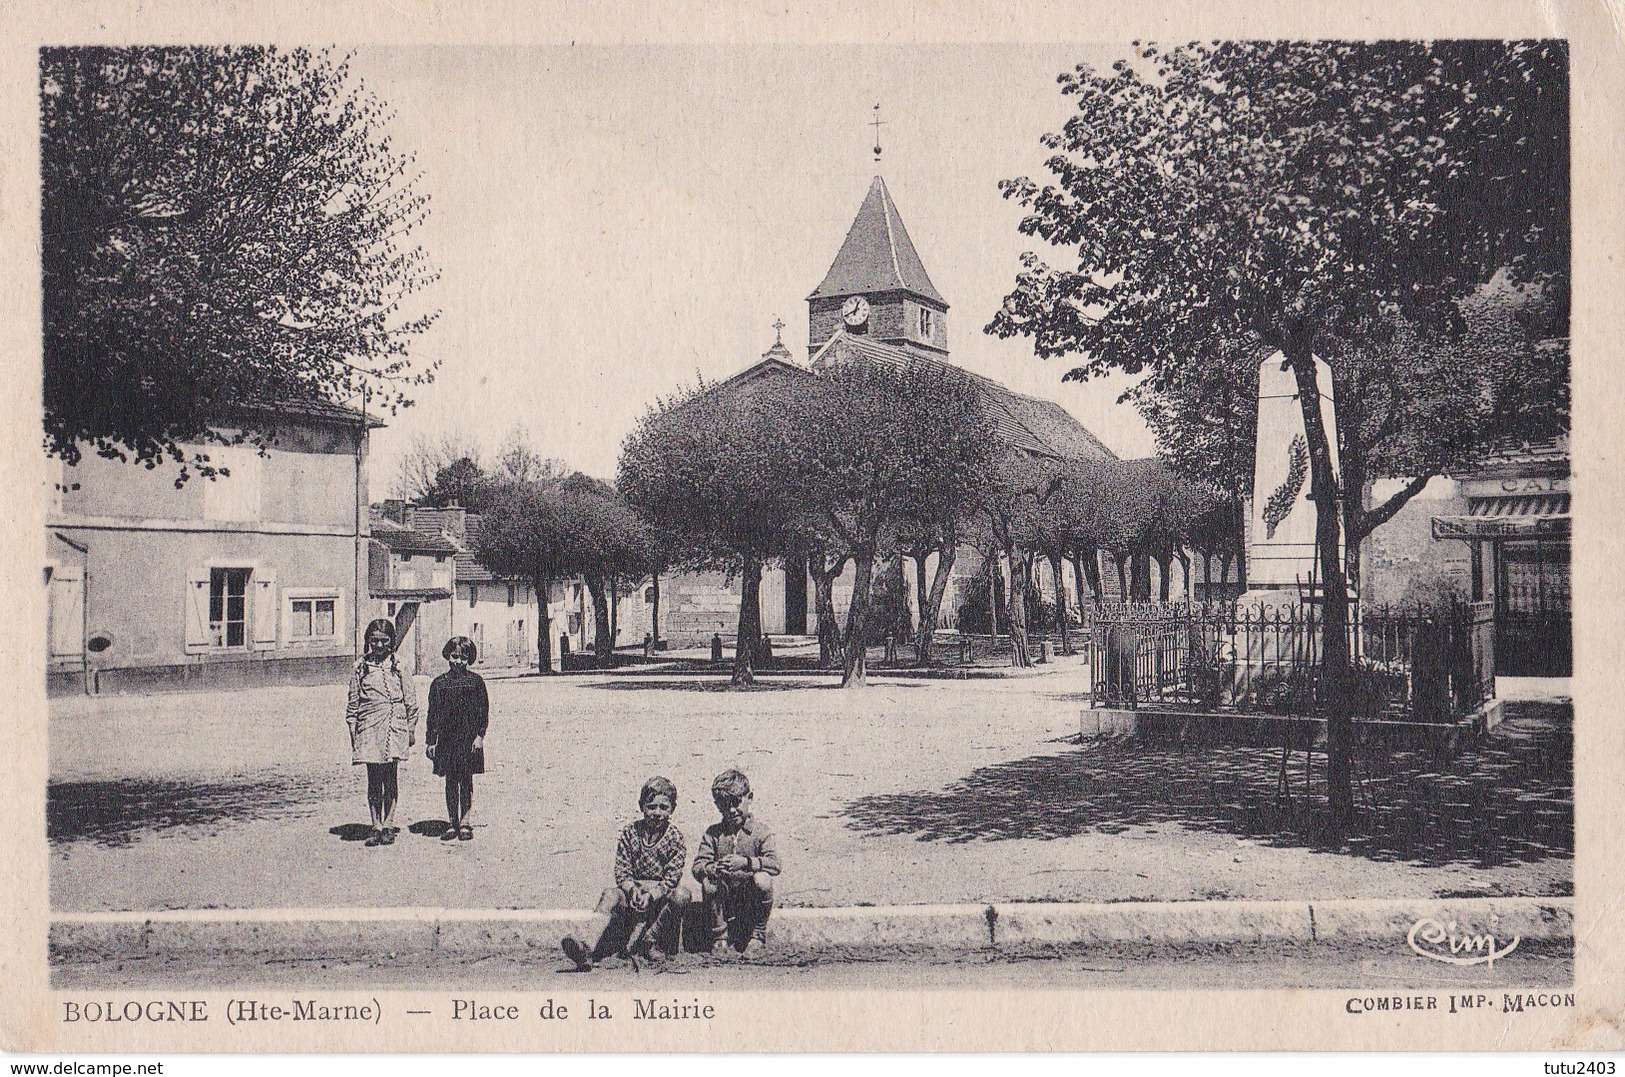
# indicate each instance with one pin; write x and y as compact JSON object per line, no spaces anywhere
{"x":887,"y":447}
{"x":1204,"y":415}
{"x":526,"y":533}
{"x":1292,"y":192}
{"x":419,"y":470}
{"x":1013,"y":516}
{"x":606,"y":543}
{"x":1413,"y":405}
{"x":936,"y":516}
{"x":719,"y":472}
{"x":219,"y":226}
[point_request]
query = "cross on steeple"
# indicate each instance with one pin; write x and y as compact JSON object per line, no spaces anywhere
{"x":778,"y":330}
{"x":877,"y":123}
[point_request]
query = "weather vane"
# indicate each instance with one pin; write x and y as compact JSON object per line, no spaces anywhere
{"x":876,"y":123}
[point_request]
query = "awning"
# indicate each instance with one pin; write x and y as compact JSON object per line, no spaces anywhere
{"x":1526,"y":516}
{"x":1520,"y":505}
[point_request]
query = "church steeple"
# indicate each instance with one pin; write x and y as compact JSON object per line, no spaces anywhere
{"x":878,"y":265}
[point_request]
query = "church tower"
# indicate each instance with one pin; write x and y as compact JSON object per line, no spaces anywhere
{"x":877,"y":286}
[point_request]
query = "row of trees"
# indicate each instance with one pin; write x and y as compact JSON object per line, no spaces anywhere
{"x":869,"y":465}
{"x":1399,"y":209}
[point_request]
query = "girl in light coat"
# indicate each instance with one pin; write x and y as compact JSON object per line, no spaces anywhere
{"x":383,"y":720}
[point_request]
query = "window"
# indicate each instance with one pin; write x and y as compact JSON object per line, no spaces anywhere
{"x":473,"y":595}
{"x":390,"y":610}
{"x":312,"y":618}
{"x":228,"y":607}
{"x":510,"y":594}
{"x":406,"y":558}
{"x":925,"y":324}
{"x":439,"y":558}
{"x":316,"y":614}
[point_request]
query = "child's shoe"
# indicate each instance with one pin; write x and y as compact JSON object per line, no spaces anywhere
{"x":376,"y":840}
{"x":756,"y":943}
{"x":578,"y":952}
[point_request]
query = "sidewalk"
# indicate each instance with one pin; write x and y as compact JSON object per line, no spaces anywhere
{"x":922,"y":931}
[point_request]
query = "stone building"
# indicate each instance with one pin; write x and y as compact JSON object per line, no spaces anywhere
{"x":245,"y":579}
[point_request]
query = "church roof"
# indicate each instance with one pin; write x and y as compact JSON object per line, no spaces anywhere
{"x":1022,"y":422}
{"x":877,"y":256}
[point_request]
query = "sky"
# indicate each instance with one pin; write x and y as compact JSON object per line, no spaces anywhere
{"x":612,"y":222}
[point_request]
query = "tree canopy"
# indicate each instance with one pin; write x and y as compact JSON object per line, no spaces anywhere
{"x":1295,"y":193}
{"x":891,"y":451}
{"x":220,"y":226}
{"x":548,"y":529}
{"x":719,"y":472}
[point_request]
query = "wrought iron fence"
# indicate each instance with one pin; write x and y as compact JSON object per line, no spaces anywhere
{"x":1409,"y":664}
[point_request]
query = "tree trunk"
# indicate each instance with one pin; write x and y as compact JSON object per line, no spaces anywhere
{"x":654,"y":608}
{"x":931,"y":610}
{"x":1334,"y":652}
{"x":1121,"y":560}
{"x":1185,"y":573}
{"x":1088,"y":569}
{"x":1140,"y":576}
{"x":749,"y":632}
{"x":614,"y":611}
{"x":1060,"y":604}
{"x":1017,"y":614}
{"x":1239,"y":507}
{"x":899,"y":622}
{"x":855,"y":659}
{"x":918,"y":628}
{"x":998,"y":593}
{"x":829,"y":628}
{"x":1207,"y":575}
{"x":1164,"y":571}
{"x":603,"y":640}
{"x":542,"y":587}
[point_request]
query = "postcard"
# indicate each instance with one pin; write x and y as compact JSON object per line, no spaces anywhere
{"x":775,"y":529}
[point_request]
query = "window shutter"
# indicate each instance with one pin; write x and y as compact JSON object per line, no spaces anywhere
{"x":67,"y":612}
{"x":264,"y":609}
{"x":197,"y":611}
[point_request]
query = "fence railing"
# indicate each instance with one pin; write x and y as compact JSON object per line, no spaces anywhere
{"x":1409,"y":664}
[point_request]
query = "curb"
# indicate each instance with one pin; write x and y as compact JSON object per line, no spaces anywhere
{"x":922,"y":930}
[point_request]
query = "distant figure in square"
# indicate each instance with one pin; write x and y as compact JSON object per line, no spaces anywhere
{"x":735,"y":866}
{"x":383,"y":718}
{"x":641,"y":912}
{"x":459,"y":713}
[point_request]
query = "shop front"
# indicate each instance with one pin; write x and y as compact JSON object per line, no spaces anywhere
{"x":1517,"y":529}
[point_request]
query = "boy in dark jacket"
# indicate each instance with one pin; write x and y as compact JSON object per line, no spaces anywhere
{"x":735,"y":866}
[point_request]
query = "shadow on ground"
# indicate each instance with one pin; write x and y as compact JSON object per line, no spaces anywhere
{"x":1511,"y":800}
{"x":116,"y":812}
{"x":631,"y":685}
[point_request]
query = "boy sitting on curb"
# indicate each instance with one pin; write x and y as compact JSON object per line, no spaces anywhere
{"x":649,"y":858}
{"x":735,"y":866}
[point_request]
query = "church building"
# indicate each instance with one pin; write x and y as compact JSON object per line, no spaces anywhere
{"x":876,"y":304}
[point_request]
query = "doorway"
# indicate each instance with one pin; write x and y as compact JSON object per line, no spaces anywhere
{"x":1534,"y":633}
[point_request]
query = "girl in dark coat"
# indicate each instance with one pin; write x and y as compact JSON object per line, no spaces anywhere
{"x":459,"y":712}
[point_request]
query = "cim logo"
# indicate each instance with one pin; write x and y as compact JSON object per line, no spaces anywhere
{"x":1443,"y":942}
